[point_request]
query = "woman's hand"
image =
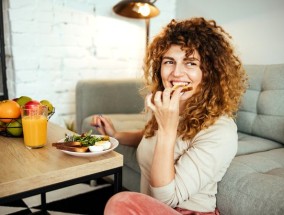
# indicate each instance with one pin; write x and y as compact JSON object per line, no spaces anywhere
{"x":165,"y":108}
{"x":103,"y":125}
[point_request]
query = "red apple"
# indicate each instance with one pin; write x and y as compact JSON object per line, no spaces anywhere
{"x":32,"y":104}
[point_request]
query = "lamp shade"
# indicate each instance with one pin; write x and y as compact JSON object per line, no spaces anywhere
{"x":138,"y":9}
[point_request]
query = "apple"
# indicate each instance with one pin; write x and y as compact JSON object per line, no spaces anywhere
{"x":15,"y":128}
{"x":32,"y":104}
{"x":23,"y":100}
{"x":47,"y":103}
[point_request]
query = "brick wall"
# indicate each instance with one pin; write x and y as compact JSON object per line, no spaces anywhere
{"x":51,"y":44}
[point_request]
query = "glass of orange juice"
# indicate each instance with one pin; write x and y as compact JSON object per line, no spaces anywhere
{"x":34,"y":122}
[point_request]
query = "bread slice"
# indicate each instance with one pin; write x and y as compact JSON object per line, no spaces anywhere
{"x":68,"y":143}
{"x":184,"y":88}
{"x":72,"y":148}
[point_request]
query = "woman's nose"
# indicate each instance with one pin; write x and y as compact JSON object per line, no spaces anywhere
{"x":178,"y":70}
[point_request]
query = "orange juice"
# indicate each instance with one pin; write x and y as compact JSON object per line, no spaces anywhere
{"x":35,"y":131}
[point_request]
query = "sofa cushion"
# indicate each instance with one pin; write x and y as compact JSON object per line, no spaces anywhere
{"x":248,"y":144}
{"x":107,"y":97}
{"x":262,"y":113}
{"x":254,"y":184}
{"x":120,"y":121}
{"x":129,"y":157}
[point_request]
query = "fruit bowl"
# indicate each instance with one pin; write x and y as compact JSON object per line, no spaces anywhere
{"x":4,"y":127}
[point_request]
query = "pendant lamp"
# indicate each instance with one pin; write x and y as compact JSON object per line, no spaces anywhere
{"x":138,"y":9}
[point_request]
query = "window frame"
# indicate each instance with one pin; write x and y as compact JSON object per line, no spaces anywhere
{"x":2,"y":56}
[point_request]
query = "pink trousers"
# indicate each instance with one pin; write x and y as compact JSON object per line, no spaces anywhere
{"x":132,"y":203}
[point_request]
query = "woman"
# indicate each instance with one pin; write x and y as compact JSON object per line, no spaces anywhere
{"x":191,"y":137}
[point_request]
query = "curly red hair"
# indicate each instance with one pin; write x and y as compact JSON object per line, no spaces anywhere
{"x":223,"y":78}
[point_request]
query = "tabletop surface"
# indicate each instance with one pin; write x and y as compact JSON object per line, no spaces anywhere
{"x":23,"y":169}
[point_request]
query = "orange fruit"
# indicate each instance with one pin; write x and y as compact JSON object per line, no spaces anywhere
{"x":9,"y":110}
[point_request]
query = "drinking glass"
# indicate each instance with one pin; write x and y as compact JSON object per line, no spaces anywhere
{"x":34,"y":122}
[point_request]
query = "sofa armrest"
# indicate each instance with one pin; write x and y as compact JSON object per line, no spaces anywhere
{"x":107,"y":97}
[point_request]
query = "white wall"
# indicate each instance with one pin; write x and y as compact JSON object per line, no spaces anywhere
{"x":51,"y":44}
{"x":257,"y":26}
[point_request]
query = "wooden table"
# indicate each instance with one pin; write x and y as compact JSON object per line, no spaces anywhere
{"x":27,"y":172}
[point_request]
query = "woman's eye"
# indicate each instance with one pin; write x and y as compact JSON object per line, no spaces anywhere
{"x":168,"y":62}
{"x":191,"y":64}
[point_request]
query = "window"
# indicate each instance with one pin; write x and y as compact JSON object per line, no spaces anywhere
{"x":3,"y":83}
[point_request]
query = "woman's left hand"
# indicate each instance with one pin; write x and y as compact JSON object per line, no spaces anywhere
{"x":165,"y":108}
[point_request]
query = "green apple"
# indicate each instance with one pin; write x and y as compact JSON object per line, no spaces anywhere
{"x":48,"y":104}
{"x":15,"y":128}
{"x":23,"y":100}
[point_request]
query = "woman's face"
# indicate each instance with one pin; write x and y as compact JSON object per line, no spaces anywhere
{"x":178,"y":69}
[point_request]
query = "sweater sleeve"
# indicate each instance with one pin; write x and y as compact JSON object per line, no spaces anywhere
{"x":203,"y":164}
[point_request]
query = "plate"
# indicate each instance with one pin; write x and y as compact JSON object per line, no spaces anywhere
{"x":113,"y":141}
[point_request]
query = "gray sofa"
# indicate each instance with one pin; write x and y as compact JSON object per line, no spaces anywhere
{"x":254,"y":182}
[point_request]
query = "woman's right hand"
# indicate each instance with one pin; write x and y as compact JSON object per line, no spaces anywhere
{"x":103,"y":125}
{"x":165,"y":106}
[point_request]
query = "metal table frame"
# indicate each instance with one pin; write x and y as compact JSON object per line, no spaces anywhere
{"x":117,"y":172}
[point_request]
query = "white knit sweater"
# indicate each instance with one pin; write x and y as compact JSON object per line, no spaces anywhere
{"x":199,"y":165}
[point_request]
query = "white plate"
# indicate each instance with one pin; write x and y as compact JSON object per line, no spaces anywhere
{"x":113,"y":141}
